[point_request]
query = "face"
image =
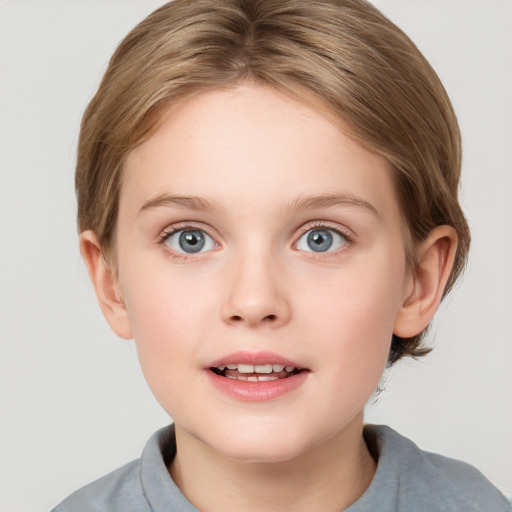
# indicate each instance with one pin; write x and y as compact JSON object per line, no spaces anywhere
{"x":261,"y":264}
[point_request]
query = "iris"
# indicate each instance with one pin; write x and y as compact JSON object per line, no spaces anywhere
{"x":320,"y":240}
{"x":192,"y":241}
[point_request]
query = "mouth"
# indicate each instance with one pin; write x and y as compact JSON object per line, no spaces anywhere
{"x":256,"y":376}
{"x":255,"y":372}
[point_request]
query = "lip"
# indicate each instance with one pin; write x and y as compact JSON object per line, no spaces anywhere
{"x":246,"y":357}
{"x":255,"y":391}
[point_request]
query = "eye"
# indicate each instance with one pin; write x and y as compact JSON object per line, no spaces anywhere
{"x":190,"y":241}
{"x":321,"y":240}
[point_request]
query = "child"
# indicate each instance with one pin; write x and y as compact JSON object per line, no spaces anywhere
{"x":268,"y":205}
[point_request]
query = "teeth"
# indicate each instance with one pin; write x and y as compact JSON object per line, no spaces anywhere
{"x":246,"y":368}
{"x":263,"y":368}
{"x":253,"y":378}
{"x":258,"y":368}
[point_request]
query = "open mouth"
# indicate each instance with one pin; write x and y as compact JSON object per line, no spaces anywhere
{"x":255,"y":373}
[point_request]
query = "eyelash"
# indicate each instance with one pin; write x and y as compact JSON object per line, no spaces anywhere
{"x":345,"y":233}
{"x":168,"y":232}
{"x":348,"y":236}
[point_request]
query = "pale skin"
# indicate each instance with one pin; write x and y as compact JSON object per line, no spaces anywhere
{"x":255,"y":173}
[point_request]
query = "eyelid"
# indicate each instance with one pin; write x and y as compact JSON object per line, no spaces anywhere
{"x":186,"y":226}
{"x":171,"y":230}
{"x":343,"y":231}
{"x":164,"y":234}
{"x":323,"y":224}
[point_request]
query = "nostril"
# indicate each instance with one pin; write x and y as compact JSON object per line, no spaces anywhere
{"x":268,"y":318}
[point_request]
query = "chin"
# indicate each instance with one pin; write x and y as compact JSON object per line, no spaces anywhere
{"x":267,"y":437}
{"x":262,"y":452}
{"x":259,"y":441}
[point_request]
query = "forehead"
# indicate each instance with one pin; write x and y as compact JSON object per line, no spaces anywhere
{"x":248,"y":143}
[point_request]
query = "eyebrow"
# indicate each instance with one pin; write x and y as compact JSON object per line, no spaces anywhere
{"x":305,"y":203}
{"x":301,"y":204}
{"x":189,"y":202}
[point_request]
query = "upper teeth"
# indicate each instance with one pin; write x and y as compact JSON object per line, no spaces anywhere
{"x":256,"y":368}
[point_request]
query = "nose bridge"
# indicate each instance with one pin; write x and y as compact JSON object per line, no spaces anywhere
{"x":256,"y":294}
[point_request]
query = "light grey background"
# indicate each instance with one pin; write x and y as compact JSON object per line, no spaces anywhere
{"x":73,"y":402}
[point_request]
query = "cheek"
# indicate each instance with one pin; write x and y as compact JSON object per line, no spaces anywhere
{"x":169,"y":319}
{"x":355,"y":353}
{"x":162,"y":299}
{"x":354,"y":314}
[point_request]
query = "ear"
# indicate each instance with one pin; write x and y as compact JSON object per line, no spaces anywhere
{"x":106,"y":285}
{"x":427,"y":282}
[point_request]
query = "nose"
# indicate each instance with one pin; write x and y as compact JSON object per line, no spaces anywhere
{"x":256,"y":294}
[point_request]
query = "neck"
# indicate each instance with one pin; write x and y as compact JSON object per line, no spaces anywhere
{"x":329,"y":477}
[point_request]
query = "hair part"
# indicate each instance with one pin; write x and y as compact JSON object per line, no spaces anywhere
{"x":343,"y":54}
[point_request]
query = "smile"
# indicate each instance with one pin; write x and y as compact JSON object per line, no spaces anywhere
{"x":255,"y":373}
{"x":256,"y":376}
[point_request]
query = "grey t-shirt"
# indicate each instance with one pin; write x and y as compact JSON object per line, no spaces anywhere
{"x":407,"y":480}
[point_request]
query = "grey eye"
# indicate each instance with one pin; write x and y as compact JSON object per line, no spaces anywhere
{"x":321,"y":240}
{"x":190,"y":241}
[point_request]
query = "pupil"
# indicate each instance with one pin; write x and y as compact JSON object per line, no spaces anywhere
{"x":192,"y":241}
{"x":320,"y":240}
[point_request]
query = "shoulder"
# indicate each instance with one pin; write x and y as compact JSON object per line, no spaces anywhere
{"x":143,"y":485}
{"x":423,"y":481}
{"x":119,"y":490}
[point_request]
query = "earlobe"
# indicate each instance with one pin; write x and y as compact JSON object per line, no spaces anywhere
{"x":427,"y":282}
{"x":106,"y":285}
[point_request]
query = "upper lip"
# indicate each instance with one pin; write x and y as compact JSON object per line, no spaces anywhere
{"x":254,"y":358}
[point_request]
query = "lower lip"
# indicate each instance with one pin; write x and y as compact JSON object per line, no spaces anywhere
{"x":257,"y":391}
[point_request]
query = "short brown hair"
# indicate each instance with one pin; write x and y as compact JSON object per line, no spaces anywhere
{"x":344,"y":53}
